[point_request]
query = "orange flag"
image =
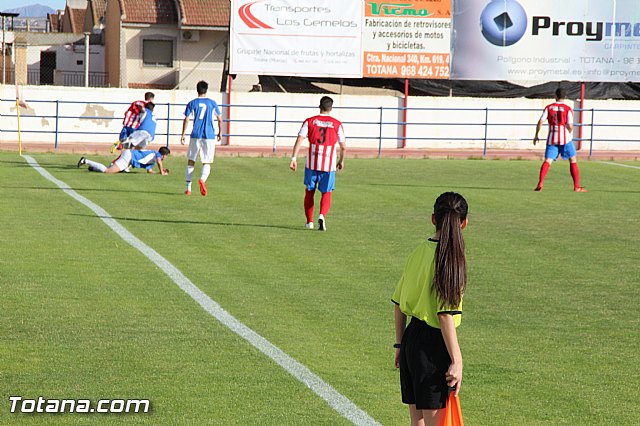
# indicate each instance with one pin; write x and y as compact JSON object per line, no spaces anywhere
{"x":453,"y":412}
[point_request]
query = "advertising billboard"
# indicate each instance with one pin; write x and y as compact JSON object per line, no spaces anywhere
{"x":406,"y":39}
{"x":294,"y":38}
{"x":546,"y":40}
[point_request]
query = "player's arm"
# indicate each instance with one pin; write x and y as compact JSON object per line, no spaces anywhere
{"x":343,"y":150}
{"x":400,"y":320}
{"x":219,"y":118}
{"x":448,"y":329}
{"x":296,"y":147}
{"x":163,"y":171}
{"x":185,"y":124}
{"x":342,"y":142}
{"x":570,"y":121}
{"x":538,"y":127}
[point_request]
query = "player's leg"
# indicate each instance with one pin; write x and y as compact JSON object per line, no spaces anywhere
{"x":570,"y":153}
{"x":417,"y":418}
{"x":326,"y":184}
{"x":207,"y":154}
{"x":575,"y":175}
{"x":432,"y":417}
{"x":120,"y":163}
{"x":308,"y":206}
{"x":550,"y":154}
{"x":192,"y":155}
{"x":309,"y":192}
{"x":137,"y":140}
{"x":94,"y":166}
{"x":124,"y":134}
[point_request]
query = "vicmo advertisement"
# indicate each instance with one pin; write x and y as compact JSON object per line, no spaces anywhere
{"x":407,"y":39}
{"x":574,"y":40}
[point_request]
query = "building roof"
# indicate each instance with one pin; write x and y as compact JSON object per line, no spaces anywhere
{"x":204,"y":13}
{"x":186,"y":13}
{"x":98,"y":8}
{"x":149,"y":11}
{"x":76,"y":17}
{"x":54,"y":22}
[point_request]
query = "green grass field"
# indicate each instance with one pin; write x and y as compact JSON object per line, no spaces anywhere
{"x":549,"y":335}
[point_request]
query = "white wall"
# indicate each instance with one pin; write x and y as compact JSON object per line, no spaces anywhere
{"x":67,"y":57}
{"x":512,"y":121}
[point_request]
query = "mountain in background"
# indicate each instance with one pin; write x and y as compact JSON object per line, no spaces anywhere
{"x":32,"y":11}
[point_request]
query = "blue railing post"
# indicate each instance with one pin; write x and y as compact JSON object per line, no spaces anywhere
{"x":486,"y":128}
{"x":275,"y":126}
{"x":168,"y":122}
{"x":591,"y":136}
{"x":380,"y":135}
{"x":57,"y":129}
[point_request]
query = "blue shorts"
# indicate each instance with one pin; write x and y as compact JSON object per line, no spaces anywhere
{"x":566,"y":151}
{"x":126,"y":132}
{"x":324,"y":181}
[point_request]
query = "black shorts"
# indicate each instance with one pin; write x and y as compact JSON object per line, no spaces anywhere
{"x":424,"y":361}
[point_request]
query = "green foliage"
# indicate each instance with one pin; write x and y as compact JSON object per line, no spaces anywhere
{"x":549,"y":334}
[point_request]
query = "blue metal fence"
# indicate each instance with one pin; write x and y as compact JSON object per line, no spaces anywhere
{"x":483,"y":124}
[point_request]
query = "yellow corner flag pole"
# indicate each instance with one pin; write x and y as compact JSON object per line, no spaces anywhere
{"x":18,"y":114}
{"x":19,"y":138}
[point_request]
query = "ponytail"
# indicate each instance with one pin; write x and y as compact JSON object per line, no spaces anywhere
{"x":450,"y":277}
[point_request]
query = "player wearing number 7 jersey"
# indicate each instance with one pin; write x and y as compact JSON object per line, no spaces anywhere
{"x":559,"y":143}
{"x":203,"y":135}
{"x":323,"y":132}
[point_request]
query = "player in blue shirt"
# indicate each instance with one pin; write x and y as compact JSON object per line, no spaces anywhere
{"x":145,"y":133}
{"x":203,"y":135}
{"x":131,"y":157}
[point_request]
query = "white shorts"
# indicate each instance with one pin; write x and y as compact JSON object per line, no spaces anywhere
{"x":138,"y":139}
{"x":124,"y":160}
{"x":206,"y":147}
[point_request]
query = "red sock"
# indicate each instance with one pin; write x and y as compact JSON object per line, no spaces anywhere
{"x":308,"y":204}
{"x":543,"y":172}
{"x":325,"y":203}
{"x":575,"y":174}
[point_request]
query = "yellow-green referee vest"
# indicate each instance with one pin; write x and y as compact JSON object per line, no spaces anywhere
{"x":415,"y":294}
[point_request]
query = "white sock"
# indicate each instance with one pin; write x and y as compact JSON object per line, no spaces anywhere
{"x":189,"y":175}
{"x":97,"y":167}
{"x":206,"y":170}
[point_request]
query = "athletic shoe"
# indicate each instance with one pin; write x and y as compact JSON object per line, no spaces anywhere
{"x":82,"y":162}
{"x":579,"y":189}
{"x":114,"y":146}
{"x":538,"y":188}
{"x":322,"y":224}
{"x":309,"y":225}
{"x":127,"y":169}
{"x":187,"y":192}
{"x":203,"y":187}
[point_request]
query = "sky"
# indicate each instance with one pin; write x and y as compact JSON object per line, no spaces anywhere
{"x":12,"y":4}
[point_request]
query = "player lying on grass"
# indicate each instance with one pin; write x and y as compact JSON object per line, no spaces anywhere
{"x":134,"y":158}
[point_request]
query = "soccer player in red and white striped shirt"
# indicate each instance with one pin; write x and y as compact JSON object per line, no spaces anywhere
{"x":323,"y":133}
{"x":132,"y":119}
{"x":559,"y":115}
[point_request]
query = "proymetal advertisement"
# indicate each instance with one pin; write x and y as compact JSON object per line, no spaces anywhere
{"x":574,"y":40}
{"x":288,"y":37}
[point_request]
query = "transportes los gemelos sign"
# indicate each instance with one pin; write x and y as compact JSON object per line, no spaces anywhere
{"x":296,"y":38}
{"x":543,"y":40}
{"x":406,"y":39}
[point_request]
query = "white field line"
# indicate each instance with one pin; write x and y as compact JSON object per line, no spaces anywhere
{"x":621,"y":165}
{"x":335,"y":399}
